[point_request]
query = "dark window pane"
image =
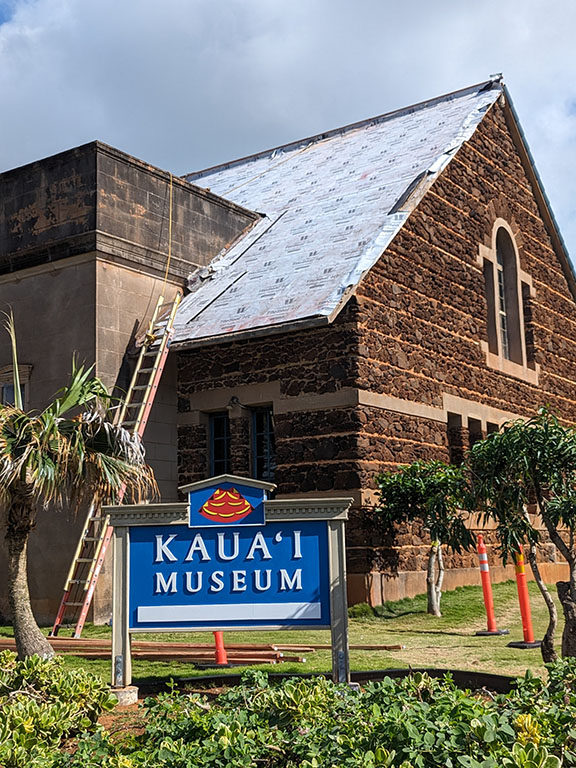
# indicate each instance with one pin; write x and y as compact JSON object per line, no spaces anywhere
{"x":509,"y":308}
{"x":263,"y":444}
{"x":491,"y":306}
{"x":219,"y":424}
{"x":219,"y":444}
{"x":528,"y":327}
{"x":7,"y":394}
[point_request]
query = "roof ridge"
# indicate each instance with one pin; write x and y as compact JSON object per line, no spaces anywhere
{"x":485,"y":85}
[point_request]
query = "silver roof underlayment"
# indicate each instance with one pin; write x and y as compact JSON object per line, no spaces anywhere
{"x":331,"y":205}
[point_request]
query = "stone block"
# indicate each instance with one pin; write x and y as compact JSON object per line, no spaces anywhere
{"x":126,"y":696}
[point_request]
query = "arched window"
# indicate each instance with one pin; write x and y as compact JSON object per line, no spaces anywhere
{"x":508,"y":291}
{"x":509,"y":318}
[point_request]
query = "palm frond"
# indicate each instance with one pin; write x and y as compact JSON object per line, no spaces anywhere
{"x":83,"y":389}
{"x":10,"y":327}
{"x":65,"y":454}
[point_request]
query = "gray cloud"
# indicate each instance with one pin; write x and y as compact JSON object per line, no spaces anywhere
{"x":185,"y":84}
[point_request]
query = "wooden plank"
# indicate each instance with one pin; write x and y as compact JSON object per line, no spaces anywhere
{"x":327,"y":647}
{"x":62,"y":644}
{"x":105,"y":643}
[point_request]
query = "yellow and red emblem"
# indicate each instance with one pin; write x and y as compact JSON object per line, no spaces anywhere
{"x":226,"y":506}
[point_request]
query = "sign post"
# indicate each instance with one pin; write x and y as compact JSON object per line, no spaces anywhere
{"x":229,"y":558}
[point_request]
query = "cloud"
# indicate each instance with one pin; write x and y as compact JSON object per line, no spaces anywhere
{"x":185,"y":84}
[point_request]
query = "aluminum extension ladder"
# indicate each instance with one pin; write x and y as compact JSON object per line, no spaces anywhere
{"x":133,"y":416}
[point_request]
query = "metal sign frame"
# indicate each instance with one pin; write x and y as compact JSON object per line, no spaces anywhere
{"x":123,"y":518}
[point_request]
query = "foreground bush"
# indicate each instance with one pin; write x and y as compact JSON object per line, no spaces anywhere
{"x":418,"y":722}
{"x":41,"y":704}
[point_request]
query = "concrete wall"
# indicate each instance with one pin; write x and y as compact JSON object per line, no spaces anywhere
{"x":133,"y":214}
{"x":54,"y":310}
{"x":95,"y":197}
{"x":84,"y":240}
{"x":379,"y":587}
{"x":125,"y":301}
{"x":90,"y":309}
{"x":48,"y":209}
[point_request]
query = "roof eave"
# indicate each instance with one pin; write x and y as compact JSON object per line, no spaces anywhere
{"x":313,"y":321}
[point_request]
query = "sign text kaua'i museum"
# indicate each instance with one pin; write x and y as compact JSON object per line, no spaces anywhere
{"x":229,"y":558}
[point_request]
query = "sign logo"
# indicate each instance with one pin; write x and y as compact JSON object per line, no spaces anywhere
{"x":226,"y":505}
{"x":226,"y":500}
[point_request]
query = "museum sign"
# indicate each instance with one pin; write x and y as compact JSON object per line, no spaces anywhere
{"x":229,"y":558}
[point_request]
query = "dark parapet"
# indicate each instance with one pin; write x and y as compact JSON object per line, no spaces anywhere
{"x":96,"y":198}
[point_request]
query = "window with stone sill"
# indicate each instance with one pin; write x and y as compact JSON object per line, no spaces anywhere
{"x":464,"y":432}
{"x":508,"y":292}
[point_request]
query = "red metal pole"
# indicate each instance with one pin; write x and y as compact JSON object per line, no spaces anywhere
{"x":492,"y":629}
{"x":524,"y":598}
{"x":220,"y":650}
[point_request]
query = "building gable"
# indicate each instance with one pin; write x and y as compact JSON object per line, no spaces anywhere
{"x":405,"y":372}
{"x":424,"y":311}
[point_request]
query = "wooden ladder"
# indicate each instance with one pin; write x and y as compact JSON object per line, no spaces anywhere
{"x":133,"y":415}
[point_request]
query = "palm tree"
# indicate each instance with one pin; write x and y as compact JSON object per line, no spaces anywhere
{"x":68,"y":453}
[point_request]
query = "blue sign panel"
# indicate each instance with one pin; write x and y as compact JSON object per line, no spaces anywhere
{"x":226,"y":504}
{"x":276,"y":575}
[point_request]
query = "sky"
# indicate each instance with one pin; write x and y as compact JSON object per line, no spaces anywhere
{"x":185,"y":84}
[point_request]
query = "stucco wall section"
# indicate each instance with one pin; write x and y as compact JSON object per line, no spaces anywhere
{"x":125,"y":301}
{"x":48,"y":209}
{"x":54,"y":311}
{"x":95,"y":197}
{"x":133,"y":214}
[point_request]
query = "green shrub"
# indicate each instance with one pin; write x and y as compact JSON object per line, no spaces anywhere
{"x":361,"y":611}
{"x":41,"y":704}
{"x":417,"y":722}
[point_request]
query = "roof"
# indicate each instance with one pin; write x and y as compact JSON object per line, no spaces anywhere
{"x":330,"y":206}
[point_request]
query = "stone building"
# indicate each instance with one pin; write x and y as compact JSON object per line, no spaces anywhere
{"x":405,"y":292}
{"x":356,"y":300}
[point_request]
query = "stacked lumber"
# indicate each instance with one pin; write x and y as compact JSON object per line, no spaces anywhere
{"x":198,"y":653}
{"x":328,"y":647}
{"x":201,"y":654}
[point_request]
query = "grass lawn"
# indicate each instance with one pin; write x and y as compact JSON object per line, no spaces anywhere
{"x":430,"y":642}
